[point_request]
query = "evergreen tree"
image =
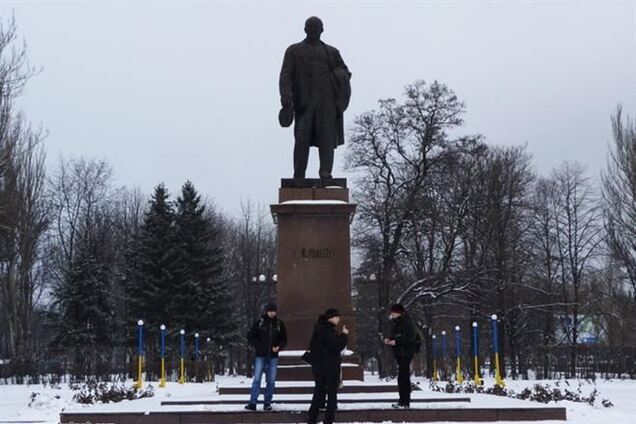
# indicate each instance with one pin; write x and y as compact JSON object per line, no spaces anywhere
{"x":153,"y":270}
{"x":203,"y":299}
{"x":84,"y":311}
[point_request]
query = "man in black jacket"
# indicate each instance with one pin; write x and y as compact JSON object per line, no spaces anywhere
{"x":267,"y":336}
{"x":325,"y":347}
{"x":403,"y":340}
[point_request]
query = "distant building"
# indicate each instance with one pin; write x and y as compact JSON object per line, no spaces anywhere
{"x":588,"y":331}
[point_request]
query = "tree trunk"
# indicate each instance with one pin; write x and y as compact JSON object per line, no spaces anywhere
{"x":385,"y":361}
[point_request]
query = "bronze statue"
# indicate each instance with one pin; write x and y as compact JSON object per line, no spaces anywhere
{"x":315,"y":91}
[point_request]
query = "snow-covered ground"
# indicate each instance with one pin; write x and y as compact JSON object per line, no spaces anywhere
{"x":17,"y":403}
{"x":622,"y":393}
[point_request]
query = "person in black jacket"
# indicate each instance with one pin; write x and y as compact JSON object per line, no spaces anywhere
{"x":267,"y":336}
{"x":325,"y":348}
{"x":403,"y":339}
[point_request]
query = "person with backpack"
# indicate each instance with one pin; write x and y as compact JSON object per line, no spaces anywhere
{"x":267,"y":336}
{"x":405,"y":342}
{"x":324,"y":355}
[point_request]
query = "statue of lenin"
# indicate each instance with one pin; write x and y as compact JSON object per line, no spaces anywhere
{"x":315,"y":91}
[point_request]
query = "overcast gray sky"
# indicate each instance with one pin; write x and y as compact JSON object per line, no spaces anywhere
{"x":169,"y":91}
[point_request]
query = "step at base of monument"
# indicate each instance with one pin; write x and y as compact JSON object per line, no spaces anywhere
{"x":303,"y":373}
{"x":342,"y":416}
{"x":306,"y":401}
{"x":293,"y":359}
{"x":309,"y":389}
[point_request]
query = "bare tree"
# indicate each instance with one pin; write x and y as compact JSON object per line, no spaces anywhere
{"x":84,"y":251}
{"x":395,"y":150}
{"x":579,"y":234}
{"x":127,"y":212}
{"x":432,"y":254}
{"x":619,"y":194}
{"x":23,"y":223}
{"x":508,"y":182}
{"x":250,"y":252}
{"x":15,"y":70}
{"x":23,"y":217}
{"x":78,"y":191}
{"x":545,"y":270}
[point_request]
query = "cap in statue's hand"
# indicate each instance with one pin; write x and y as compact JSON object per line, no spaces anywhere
{"x":286,"y":117}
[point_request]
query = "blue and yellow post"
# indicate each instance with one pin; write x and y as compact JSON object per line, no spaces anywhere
{"x":182,"y":360}
{"x":196,"y":347}
{"x":444,"y":373}
{"x":162,"y":380}
{"x":495,"y":346}
{"x":207,"y":359}
{"x":459,"y":375}
{"x":477,"y":378}
{"x":140,"y":353}
{"x":434,"y":348}
{"x":196,"y":357}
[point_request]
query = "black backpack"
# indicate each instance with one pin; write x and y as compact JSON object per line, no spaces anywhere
{"x":418,"y":338}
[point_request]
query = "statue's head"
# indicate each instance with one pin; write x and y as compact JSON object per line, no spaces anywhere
{"x":313,"y":28}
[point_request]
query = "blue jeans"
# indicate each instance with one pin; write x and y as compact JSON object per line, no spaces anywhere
{"x":267,"y":366}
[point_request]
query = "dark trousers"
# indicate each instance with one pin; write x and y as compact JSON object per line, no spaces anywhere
{"x":316,"y":125}
{"x":301,"y":157}
{"x":325,"y":385}
{"x":404,"y":380}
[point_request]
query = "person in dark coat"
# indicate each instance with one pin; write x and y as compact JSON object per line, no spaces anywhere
{"x":325,"y":349}
{"x":315,"y":91}
{"x":267,"y":336}
{"x":403,"y":339}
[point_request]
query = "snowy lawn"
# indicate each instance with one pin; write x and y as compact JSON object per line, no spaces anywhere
{"x":16,"y":402}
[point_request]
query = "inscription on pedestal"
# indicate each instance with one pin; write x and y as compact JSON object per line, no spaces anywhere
{"x":313,"y":253}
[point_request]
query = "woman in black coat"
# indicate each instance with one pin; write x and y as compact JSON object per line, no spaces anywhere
{"x":325,"y":347}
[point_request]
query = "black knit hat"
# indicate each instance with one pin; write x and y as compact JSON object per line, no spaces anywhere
{"x":397,"y":308}
{"x":330,"y":313}
{"x":271,"y":307}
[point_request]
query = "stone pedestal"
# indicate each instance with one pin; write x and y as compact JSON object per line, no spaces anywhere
{"x":314,"y":261}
